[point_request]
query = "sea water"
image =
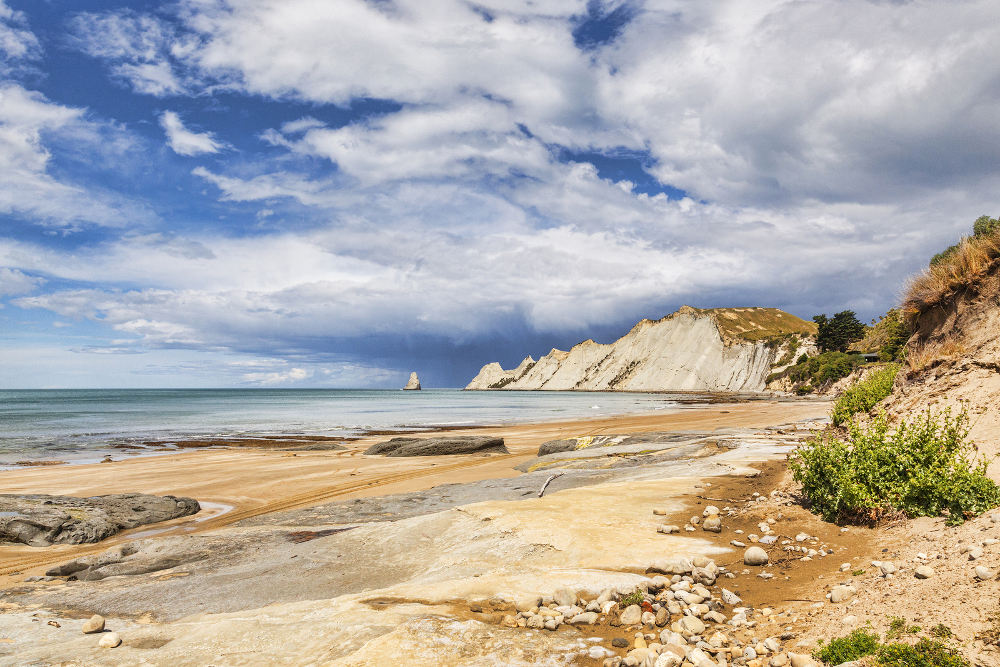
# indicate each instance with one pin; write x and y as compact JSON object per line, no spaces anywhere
{"x":84,"y":425}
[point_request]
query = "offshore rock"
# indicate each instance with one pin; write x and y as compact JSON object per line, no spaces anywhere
{"x":413,"y":384}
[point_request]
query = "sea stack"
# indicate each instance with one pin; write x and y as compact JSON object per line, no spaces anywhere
{"x":413,"y":384}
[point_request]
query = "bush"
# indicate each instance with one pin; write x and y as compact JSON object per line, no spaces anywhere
{"x":865,"y":394}
{"x":856,"y":645}
{"x":861,"y":643}
{"x":635,"y":597}
{"x":824,"y":368}
{"x":925,"y":653}
{"x":926,"y":467}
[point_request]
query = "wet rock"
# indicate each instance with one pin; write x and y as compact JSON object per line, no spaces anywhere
{"x":93,"y":624}
{"x":437,"y":446}
{"x":40,"y":520}
{"x":755,"y":556}
{"x":110,"y":640}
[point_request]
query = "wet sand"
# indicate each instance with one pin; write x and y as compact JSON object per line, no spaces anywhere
{"x":237,"y":484}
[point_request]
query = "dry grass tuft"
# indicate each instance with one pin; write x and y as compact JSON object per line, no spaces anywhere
{"x":931,"y":355}
{"x":966,"y":267}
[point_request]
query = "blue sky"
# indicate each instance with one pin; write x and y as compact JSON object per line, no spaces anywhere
{"x":313,"y":193}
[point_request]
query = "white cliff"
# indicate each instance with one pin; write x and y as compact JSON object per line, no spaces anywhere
{"x":722,"y":349}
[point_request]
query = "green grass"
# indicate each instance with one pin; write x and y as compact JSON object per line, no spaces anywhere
{"x":856,"y":645}
{"x":924,"y":467}
{"x":865,"y":394}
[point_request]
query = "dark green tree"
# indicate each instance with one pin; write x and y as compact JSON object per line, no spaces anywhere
{"x":985,"y":225}
{"x":839,"y":331}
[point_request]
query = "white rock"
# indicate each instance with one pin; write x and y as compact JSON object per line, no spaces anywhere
{"x":710,"y":510}
{"x":632,"y":615}
{"x":712,"y":524}
{"x":110,"y":640}
{"x":730,"y":597}
{"x":693,"y":625}
{"x":755,"y":556}
{"x":93,"y":624}
{"x":842,"y":593}
{"x":668,"y":529}
{"x":983,"y":573}
{"x":586,"y":618}
{"x":975,"y":553}
{"x":923,"y":572}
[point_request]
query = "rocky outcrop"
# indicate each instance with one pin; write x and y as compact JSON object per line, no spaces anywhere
{"x":40,"y":520}
{"x":721,"y":349}
{"x":413,"y":384}
{"x":439,"y":446}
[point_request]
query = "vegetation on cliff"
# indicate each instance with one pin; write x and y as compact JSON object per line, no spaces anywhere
{"x":864,"y":394}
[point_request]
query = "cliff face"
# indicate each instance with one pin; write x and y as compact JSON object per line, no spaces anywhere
{"x":723,"y":349}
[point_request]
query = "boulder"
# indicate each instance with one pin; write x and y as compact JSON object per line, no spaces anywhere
{"x":437,"y":446}
{"x":40,"y":520}
{"x":110,"y":640}
{"x":93,"y":624}
{"x":632,"y":615}
{"x":755,"y":556}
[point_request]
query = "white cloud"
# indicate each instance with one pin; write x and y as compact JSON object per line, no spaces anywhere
{"x":27,"y":119}
{"x":14,"y":282}
{"x":185,"y":142}
{"x":17,"y":43}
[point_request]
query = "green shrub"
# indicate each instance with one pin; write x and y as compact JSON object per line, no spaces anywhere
{"x":856,"y":645}
{"x":822,"y":369}
{"x":635,"y":597}
{"x":865,"y":394}
{"x":925,"y":467}
{"x":925,"y":653}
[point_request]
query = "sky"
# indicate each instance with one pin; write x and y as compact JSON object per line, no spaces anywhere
{"x":333,"y":193}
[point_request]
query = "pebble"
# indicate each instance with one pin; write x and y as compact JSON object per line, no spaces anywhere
{"x":586,"y":618}
{"x":755,"y":556}
{"x":801,"y":660}
{"x":737,"y":543}
{"x":110,"y":640}
{"x":779,"y":660}
{"x":93,"y":624}
{"x":619,"y":642}
{"x":692,"y":624}
{"x":975,"y":553}
{"x":659,"y":511}
{"x":668,"y":529}
{"x":730,"y":597}
{"x":983,"y":573}
{"x":923,"y":572}
{"x":887,"y":567}
{"x":710,"y":510}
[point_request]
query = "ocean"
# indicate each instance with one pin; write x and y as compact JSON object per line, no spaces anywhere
{"x":84,"y":425}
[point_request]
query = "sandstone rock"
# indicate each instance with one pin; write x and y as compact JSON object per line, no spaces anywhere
{"x":779,"y":660}
{"x":413,"y":384}
{"x":842,"y":593}
{"x":437,"y":446}
{"x":110,"y":640}
{"x":632,"y":615}
{"x":801,"y":660}
{"x":662,"y":617}
{"x":887,"y":567}
{"x":526,"y":602}
{"x":565,"y":597}
{"x":755,"y":556}
{"x":712,"y":524}
{"x":693,"y":625}
{"x":668,"y":529}
{"x":40,"y":520}
{"x":93,"y":624}
{"x":923,"y":572}
{"x":710,"y":510}
{"x":586,"y":618}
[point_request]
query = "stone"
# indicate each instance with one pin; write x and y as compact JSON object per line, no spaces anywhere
{"x":923,"y":572}
{"x":695,"y":520}
{"x":755,"y":556}
{"x":632,"y":615}
{"x":730,"y":597}
{"x":93,"y":624}
{"x":983,"y":573}
{"x":772,"y":645}
{"x":975,"y":553}
{"x":779,"y":660}
{"x":659,"y":511}
{"x":413,"y":384}
{"x":648,"y":618}
{"x":842,"y":593}
{"x":526,"y":602}
{"x":437,"y":446}
{"x":551,"y":623}
{"x":667,"y":659}
{"x":536,"y":621}
{"x":565,"y":597}
{"x":668,"y":529}
{"x":710,"y":510}
{"x":110,"y":640}
{"x":40,"y":520}
{"x":887,"y":567}
{"x":714,"y":617}
{"x":692,"y":624}
{"x":640,"y":640}
{"x":699,"y":658}
{"x":801,"y":660}
{"x":619,"y":642}
{"x":712,"y":524}
{"x":662,"y":617}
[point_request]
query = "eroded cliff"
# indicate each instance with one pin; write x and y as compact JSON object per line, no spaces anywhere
{"x":720,"y":349}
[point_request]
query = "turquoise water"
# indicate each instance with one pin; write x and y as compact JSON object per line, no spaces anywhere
{"x":83,"y":425}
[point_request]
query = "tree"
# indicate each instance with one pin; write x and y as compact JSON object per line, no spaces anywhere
{"x":985,"y":225}
{"x":838,"y":332}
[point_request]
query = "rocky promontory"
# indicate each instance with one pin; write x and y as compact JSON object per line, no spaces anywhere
{"x":719,"y":349}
